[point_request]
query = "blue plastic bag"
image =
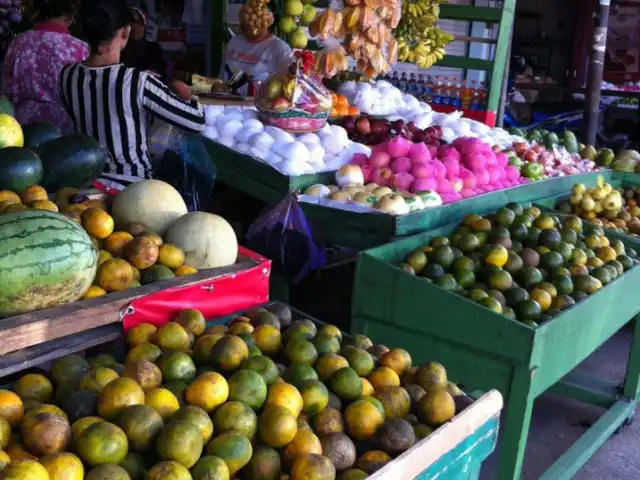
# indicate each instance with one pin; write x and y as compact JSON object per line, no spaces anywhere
{"x":183,"y":162}
{"x":283,"y":234}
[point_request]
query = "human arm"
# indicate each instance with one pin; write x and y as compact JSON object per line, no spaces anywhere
{"x":160,"y":101}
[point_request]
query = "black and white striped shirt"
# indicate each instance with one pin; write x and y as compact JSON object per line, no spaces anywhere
{"x":115,"y":104}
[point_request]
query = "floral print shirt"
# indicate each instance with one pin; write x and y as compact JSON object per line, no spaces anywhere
{"x":32,"y":70}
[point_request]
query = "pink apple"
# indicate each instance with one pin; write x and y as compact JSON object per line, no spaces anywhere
{"x":379,"y":158}
{"x":424,"y":184}
{"x":425,"y":170}
{"x":401,"y":165}
{"x":381,"y":176}
{"x":367,"y":170}
{"x":457,"y":184}
{"x":440,"y":171}
{"x":402,"y":181}
{"x":419,"y":153}
{"x":360,"y":159}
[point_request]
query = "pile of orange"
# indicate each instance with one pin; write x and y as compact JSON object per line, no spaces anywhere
{"x":341,"y":107}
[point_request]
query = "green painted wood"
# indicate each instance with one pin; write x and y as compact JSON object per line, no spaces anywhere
{"x":256,"y":178}
{"x":501,"y":59}
{"x":451,"y":11}
{"x":632,"y":380}
{"x":588,"y":388}
{"x":465,"y":460}
{"x":466,"y":63}
{"x":483,"y":349}
{"x":570,"y":462}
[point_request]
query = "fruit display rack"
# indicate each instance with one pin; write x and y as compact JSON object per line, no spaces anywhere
{"x":483,"y":349}
{"x":454,"y":451}
{"x":33,"y":338}
{"x":367,"y":230}
{"x":254,"y":178}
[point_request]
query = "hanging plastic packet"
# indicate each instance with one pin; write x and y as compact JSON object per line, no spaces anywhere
{"x":283,"y":234}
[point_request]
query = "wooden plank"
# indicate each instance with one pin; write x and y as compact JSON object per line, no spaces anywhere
{"x":451,"y":11}
{"x":30,"y":329}
{"x":414,"y":461}
{"x":501,"y":57}
{"x":588,"y":388}
{"x":48,"y":351}
{"x":583,"y":449}
{"x":465,"y":63}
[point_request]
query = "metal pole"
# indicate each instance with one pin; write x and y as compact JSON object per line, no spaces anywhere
{"x":596,"y":71}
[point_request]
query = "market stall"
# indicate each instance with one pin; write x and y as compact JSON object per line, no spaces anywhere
{"x":529,"y":295}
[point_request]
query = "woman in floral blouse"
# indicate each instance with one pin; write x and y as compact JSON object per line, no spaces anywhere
{"x":34,"y":60}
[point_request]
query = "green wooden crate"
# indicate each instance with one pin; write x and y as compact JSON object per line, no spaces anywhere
{"x":366,"y":230}
{"x":255,"y":178}
{"x":485,"y":350}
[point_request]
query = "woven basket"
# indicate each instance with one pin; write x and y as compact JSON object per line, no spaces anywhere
{"x":295,"y":121}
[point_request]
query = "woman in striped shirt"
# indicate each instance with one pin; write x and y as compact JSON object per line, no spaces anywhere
{"x":114,"y":103}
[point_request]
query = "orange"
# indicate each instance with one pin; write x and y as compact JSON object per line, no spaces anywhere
{"x":185,"y":270}
{"x":115,"y":274}
{"x":367,"y":388}
{"x":9,"y":196}
{"x":97,"y":223}
{"x":191,"y":320}
{"x":334,"y":113}
{"x":34,"y":387}
{"x":11,"y":407}
{"x":354,"y":111}
{"x":342,"y":101}
{"x":397,"y":360}
{"x":277,"y":426}
{"x":268,"y":339}
{"x":44,"y":205}
{"x":162,"y":401}
{"x":97,"y":379}
{"x":542,"y":297}
{"x":33,"y":194}
{"x":115,"y":243}
{"x":142,"y":252}
{"x":140,"y":334}
{"x":94,"y":291}
{"x":208,"y":391}
{"x":304,"y":443}
{"x":383,"y":377}
{"x":329,"y":364}
{"x":362,"y":419}
{"x":342,"y":110}
{"x":286,"y":396}
{"x":171,"y":255}
{"x":7,"y":203}
{"x":15,"y":207}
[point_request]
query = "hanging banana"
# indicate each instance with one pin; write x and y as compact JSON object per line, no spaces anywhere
{"x":420,"y":41}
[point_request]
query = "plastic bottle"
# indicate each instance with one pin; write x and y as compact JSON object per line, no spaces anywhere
{"x":475,"y":99}
{"x":402,"y":83}
{"x":446,"y":91}
{"x":393,"y":79}
{"x":411,"y":84}
{"x":484,"y":92}
{"x":420,"y":87}
{"x":466,"y":94}
{"x":428,"y":97}
{"x":437,"y":92}
{"x":456,"y":96}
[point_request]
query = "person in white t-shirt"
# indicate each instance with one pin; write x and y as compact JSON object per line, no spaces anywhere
{"x":257,"y":52}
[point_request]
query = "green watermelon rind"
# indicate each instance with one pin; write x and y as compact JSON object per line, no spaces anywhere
{"x":46,"y":259}
{"x":19,"y":168}
{"x":38,"y":133}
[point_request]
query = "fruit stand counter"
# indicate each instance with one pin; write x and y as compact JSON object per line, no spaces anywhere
{"x":367,"y":230}
{"x":455,"y":451}
{"x":33,"y":338}
{"x":483,"y":349}
{"x":254,"y":178}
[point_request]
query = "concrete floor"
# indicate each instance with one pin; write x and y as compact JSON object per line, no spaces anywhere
{"x":558,"y":422}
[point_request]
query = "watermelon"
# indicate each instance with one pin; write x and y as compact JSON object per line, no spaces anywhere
{"x":71,"y":161}
{"x":46,"y":259}
{"x":19,"y":169}
{"x":6,"y":106}
{"x":35,"y":134}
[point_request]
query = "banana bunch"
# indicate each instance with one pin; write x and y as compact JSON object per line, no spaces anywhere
{"x":420,"y":41}
{"x":421,"y":8}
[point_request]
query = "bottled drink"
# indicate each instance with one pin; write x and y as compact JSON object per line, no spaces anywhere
{"x":456,"y":97}
{"x":437,"y":92}
{"x":479,"y":99}
{"x":429,"y":90}
{"x":466,"y":94}
{"x":411,"y":84}
{"x":402,"y":84}
{"x":420,"y":87}
{"x":446,"y":91}
{"x":394,"y":79}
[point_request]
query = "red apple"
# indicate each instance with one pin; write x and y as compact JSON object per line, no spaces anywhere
{"x":280,"y":104}
{"x":363,"y":126}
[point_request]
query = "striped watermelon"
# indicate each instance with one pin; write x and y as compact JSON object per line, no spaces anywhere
{"x":46,"y":259}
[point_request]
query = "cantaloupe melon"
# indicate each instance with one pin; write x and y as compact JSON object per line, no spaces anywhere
{"x":207,"y":240}
{"x":153,"y":203}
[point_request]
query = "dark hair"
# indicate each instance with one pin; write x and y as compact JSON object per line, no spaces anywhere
{"x":101,"y":19}
{"x":41,"y":10}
